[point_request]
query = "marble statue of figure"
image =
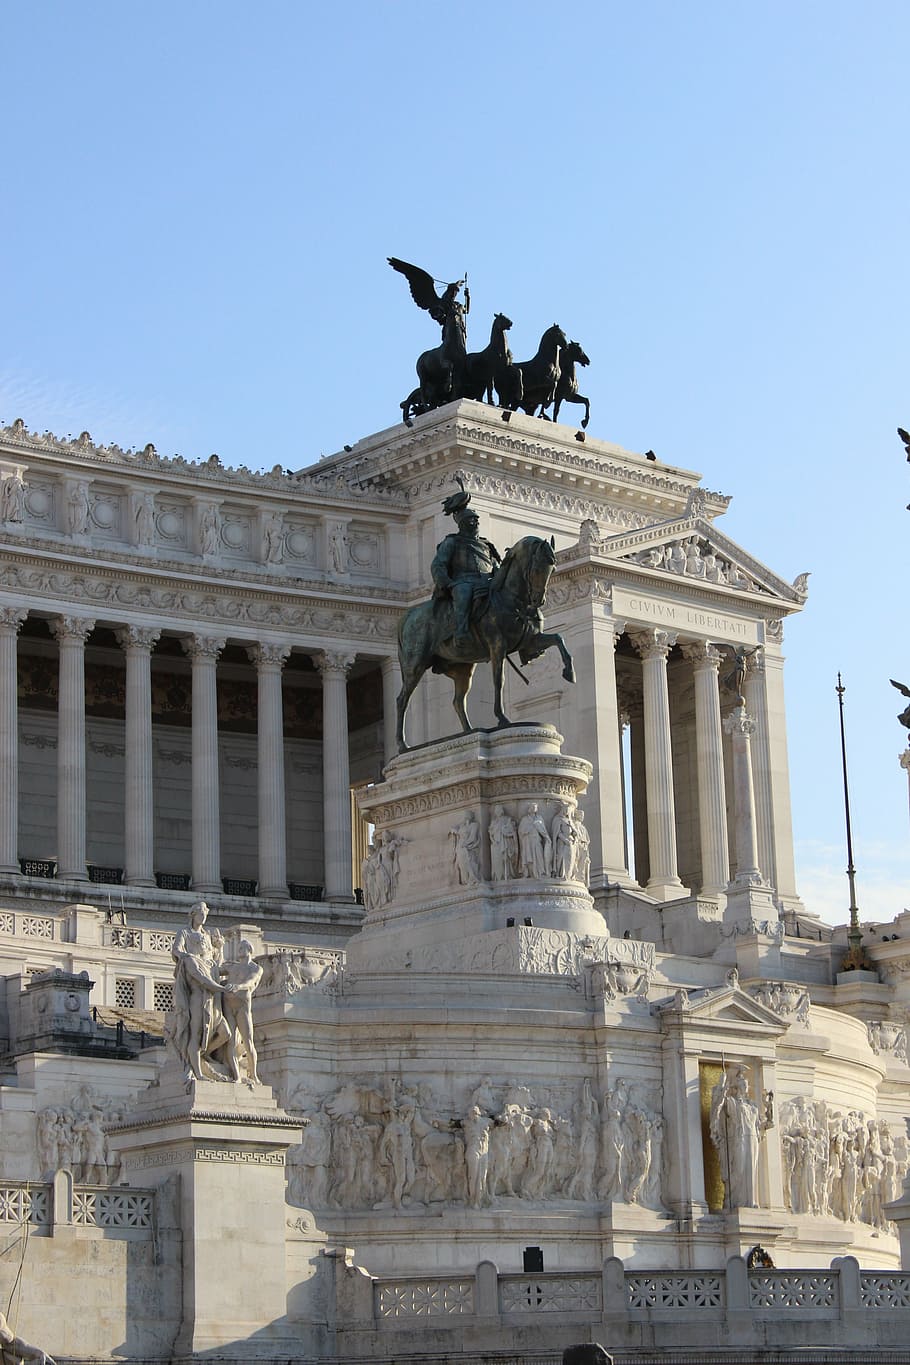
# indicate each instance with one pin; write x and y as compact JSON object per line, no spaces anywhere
{"x":638,"y":1156}
{"x":535,"y":843}
{"x":198,"y":1027}
{"x":503,"y":846}
{"x":46,"y":1138}
{"x":562,"y":832}
{"x":209,"y":530}
{"x":466,"y":854}
{"x":14,"y":1350}
{"x":396,"y":1150}
{"x":145,"y":519}
{"x":240,"y":979}
{"x":77,"y":509}
{"x":338,"y":548}
{"x":274,"y":539}
{"x":612,"y":1141}
{"x":371,"y":877}
{"x":381,"y":869}
{"x":736,"y":1127}
{"x":93,"y":1150}
{"x":476,"y":1127}
{"x":582,"y":848}
{"x":12,"y":498}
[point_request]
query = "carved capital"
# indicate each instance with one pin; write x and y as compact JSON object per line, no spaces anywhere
{"x":72,"y":629}
{"x":11,"y":618}
{"x":702,"y":655}
{"x":738,"y":722}
{"x":268,"y":655}
{"x":138,"y":637}
{"x":203,"y":648}
{"x":334,"y":663}
{"x":652,"y":642}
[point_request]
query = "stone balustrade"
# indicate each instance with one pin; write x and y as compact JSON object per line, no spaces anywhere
{"x":47,"y":1207}
{"x":733,"y":1306}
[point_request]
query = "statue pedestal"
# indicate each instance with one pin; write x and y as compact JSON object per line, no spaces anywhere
{"x":226,"y":1142}
{"x":440,"y":883}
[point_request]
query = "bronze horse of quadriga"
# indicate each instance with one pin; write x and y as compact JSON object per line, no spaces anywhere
{"x":505,"y":619}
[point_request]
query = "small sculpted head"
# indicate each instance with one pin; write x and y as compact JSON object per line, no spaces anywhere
{"x":199,"y":913}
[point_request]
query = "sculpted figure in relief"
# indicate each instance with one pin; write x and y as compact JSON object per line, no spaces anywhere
{"x":210,"y":530}
{"x":12,"y":499}
{"x":308,"y":1163}
{"x":274,"y":539}
{"x":737,"y":1128}
{"x":476,"y":1127}
{"x":78,"y":509}
{"x":582,"y":849}
{"x":466,"y":854}
{"x":534,"y":843}
{"x":338,"y":548}
{"x":396,"y":1150}
{"x":145,"y":519}
{"x":503,"y":846}
{"x":240,"y":979}
{"x":563,"y":836}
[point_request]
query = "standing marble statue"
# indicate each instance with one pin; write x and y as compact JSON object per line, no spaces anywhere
{"x":737,"y":1127}
{"x":466,"y":854}
{"x":564,"y":839}
{"x":12,"y":498}
{"x":212,"y":1011}
{"x":535,"y":843}
{"x":503,"y":845}
{"x":582,"y":848}
{"x":78,"y":510}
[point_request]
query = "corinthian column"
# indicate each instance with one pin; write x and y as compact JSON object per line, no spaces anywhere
{"x":741,"y":727}
{"x":336,"y":774}
{"x":203,"y":651}
{"x":11,"y":619}
{"x":712,"y":800}
{"x":137,"y":643}
{"x":71,"y":633}
{"x":270,"y":660}
{"x":653,"y":646}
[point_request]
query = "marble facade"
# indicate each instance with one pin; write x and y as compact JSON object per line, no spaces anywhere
{"x":550,"y":988}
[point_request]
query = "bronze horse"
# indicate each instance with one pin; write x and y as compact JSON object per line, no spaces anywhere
{"x":531,"y":384}
{"x":440,"y":370}
{"x":567,"y":388}
{"x":483,"y":368}
{"x":504,"y":619}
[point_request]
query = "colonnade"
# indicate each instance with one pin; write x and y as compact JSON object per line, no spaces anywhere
{"x":203,"y":651}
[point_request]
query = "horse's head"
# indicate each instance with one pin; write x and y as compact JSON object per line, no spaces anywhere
{"x":554,"y":336}
{"x":501,"y":322}
{"x":574,"y":352}
{"x":527,"y":567}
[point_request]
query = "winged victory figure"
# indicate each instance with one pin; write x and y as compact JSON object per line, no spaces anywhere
{"x":904,"y":716}
{"x":440,"y":372}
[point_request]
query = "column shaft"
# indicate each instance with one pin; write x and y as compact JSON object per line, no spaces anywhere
{"x":71,"y":633}
{"x":273,"y":878}
{"x":741,"y":727}
{"x":139,"y":805}
{"x":11,"y":619}
{"x":654,"y":646}
{"x":336,"y":774}
{"x":712,"y":798}
{"x":204,"y":651}
{"x":755,"y":693}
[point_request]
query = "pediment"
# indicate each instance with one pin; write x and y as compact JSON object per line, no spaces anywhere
{"x":725,"y":1004}
{"x":693,"y":549}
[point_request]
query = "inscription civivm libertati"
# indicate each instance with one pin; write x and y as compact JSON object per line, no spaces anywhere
{"x":680,"y":616}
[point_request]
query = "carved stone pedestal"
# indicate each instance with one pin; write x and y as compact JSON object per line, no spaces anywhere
{"x":226,"y":1143}
{"x":441,"y":870}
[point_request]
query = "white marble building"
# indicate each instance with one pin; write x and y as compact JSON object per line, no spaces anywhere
{"x":636,"y":1055}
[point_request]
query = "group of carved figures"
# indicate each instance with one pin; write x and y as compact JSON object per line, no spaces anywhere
{"x":841,"y":1164}
{"x":695,"y":559}
{"x":366,"y":1148}
{"x":210,"y":1027}
{"x":71,"y":1137}
{"x":528,"y":847}
{"x":449,"y":371}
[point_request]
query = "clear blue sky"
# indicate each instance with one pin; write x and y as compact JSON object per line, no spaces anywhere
{"x":198,"y":200}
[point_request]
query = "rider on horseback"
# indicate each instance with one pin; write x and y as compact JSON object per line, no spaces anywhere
{"x":463,"y":564}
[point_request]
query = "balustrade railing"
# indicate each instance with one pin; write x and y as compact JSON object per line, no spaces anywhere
{"x":111,"y":1208}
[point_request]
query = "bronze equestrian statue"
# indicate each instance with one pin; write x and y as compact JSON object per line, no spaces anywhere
{"x":483,"y":608}
{"x":441,"y":370}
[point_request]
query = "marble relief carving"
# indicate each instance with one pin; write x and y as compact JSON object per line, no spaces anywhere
{"x":841,"y":1164}
{"x":737,"y":1126}
{"x":70,"y":1136}
{"x":12,"y":498}
{"x":398,"y":1146}
{"x":381,"y":869}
